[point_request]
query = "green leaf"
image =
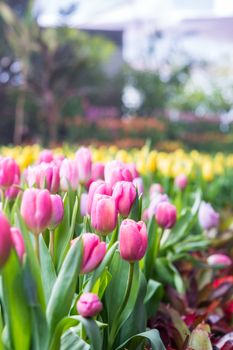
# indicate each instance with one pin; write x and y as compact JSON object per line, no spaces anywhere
{"x":15,"y":303}
{"x":98,"y":272}
{"x":61,"y":328}
{"x":64,"y":288}
{"x":152,"y":336}
{"x":61,"y":233}
{"x":119,"y":270}
{"x":136,"y":211}
{"x":153,"y":297}
{"x":149,"y":259}
{"x":47,"y":269}
{"x":92,"y":331}
{"x":32,"y":259}
{"x":70,"y":340}
{"x":136,"y":323}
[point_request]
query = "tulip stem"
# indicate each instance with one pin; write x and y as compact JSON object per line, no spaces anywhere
{"x":115,"y":326}
{"x":37,"y":246}
{"x":51,"y":243}
{"x":157,"y":243}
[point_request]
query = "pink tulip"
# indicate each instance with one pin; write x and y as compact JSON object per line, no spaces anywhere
{"x":219,"y":259}
{"x":97,"y":187}
{"x":69,"y":175}
{"x":166,"y":215}
{"x":116,"y":171}
{"x":133,"y":240}
{"x":57,"y":211}
{"x":103,"y":213}
{"x":18,"y":242}
{"x":46,"y":156}
{"x":9,"y":171}
{"x":208,"y":217}
{"x":93,"y":251}
{"x":89,"y":305}
{"x":181,"y":181}
{"x":43,"y":176}
{"x":36,"y":209}
{"x":13,"y":191}
{"x":84,"y":164}
{"x":97,"y":171}
{"x":158,"y":198}
{"x":124,"y":193}
{"x":156,"y":189}
{"x":132,"y":168}
{"x":5,"y":239}
{"x":138,"y":183}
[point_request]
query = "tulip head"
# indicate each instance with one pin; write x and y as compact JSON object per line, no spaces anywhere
{"x":97,"y":171}
{"x":133,"y":240}
{"x":46,"y":156}
{"x":156,"y":189}
{"x":208,"y":217}
{"x":89,"y":305}
{"x":84,"y":164}
{"x":93,"y":251}
{"x":69,"y":176}
{"x":57,"y":211}
{"x":124,"y":193}
{"x":181,"y":181}
{"x":166,"y":215}
{"x":18,"y":242}
{"x":9,"y":172}
{"x":103,"y":214}
{"x":116,"y":171}
{"x":36,"y":209}
{"x":97,"y":187}
{"x":157,"y":199}
{"x":5,"y":239}
{"x":219,"y":260}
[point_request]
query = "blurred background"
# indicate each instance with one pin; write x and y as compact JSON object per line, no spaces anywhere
{"x":117,"y":71}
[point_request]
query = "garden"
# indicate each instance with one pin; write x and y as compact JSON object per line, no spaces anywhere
{"x":103,"y":248}
{"x":116,"y":167}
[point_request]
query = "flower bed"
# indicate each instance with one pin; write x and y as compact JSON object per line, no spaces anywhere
{"x":114,"y":249}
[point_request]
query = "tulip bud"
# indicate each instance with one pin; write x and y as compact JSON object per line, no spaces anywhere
{"x":9,"y":171}
{"x":208,"y":217}
{"x":36,"y":209}
{"x":46,"y":156}
{"x":84,"y":164}
{"x":43,"y":176}
{"x":18,"y":242}
{"x":97,"y":171}
{"x":103,"y":214}
{"x":158,"y":198}
{"x":219,"y":260}
{"x":166,"y":215}
{"x":181,"y":181}
{"x":133,"y":240}
{"x":116,"y":171}
{"x":89,"y":305}
{"x":5,"y":239}
{"x":138,"y":183}
{"x":124,"y":193}
{"x":57,"y":211}
{"x":97,"y":187}
{"x":69,"y":175}
{"x":93,"y":251}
